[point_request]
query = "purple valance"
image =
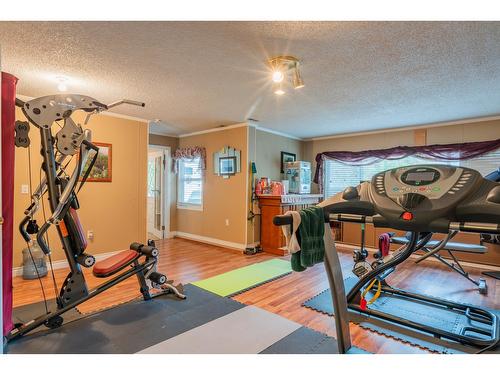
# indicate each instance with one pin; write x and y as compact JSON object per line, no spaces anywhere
{"x":190,"y":153}
{"x":454,"y":151}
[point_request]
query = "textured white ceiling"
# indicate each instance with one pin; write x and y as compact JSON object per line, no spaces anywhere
{"x":197,"y":75}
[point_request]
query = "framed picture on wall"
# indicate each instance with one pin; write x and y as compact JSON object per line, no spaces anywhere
{"x":227,"y":166}
{"x":102,"y":169}
{"x":287,"y":157}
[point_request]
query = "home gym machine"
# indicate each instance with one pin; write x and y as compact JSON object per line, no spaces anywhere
{"x":62,"y":186}
{"x":421,"y":199}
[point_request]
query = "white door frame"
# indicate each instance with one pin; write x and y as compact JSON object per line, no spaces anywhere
{"x":166,"y":187}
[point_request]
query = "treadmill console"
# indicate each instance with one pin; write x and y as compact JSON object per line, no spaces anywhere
{"x":430,"y":181}
{"x":411,"y":197}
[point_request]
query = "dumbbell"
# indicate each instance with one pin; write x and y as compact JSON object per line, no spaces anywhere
{"x":157,"y":278}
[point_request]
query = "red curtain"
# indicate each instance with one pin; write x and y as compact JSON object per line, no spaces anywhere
{"x":8,"y":120}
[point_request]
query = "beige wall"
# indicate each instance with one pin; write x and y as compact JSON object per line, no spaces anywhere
{"x":268,"y":153}
{"x":222,"y":198}
{"x":163,"y":140}
{"x":173,"y":143}
{"x":115,"y":211}
{"x":265,"y":149}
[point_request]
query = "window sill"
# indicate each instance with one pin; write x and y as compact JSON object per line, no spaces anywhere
{"x":192,"y":207}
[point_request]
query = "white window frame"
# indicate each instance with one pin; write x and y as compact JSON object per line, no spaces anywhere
{"x":180,"y":181}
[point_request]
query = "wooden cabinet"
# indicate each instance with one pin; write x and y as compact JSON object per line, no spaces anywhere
{"x":271,"y":237}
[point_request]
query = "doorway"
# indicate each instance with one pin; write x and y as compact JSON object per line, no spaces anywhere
{"x":158,"y":213}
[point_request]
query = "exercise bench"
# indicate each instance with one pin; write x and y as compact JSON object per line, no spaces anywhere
{"x":434,"y":247}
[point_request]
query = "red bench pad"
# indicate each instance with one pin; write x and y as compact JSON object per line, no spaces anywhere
{"x":114,"y":263}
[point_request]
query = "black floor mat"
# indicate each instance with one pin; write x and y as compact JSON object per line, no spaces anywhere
{"x":130,"y":327}
{"x":303,"y":341}
{"x":426,"y":314}
{"x":25,"y":313}
{"x":494,"y":274}
{"x":307,"y":341}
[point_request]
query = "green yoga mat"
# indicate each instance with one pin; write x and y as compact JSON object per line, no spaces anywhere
{"x":241,"y":279}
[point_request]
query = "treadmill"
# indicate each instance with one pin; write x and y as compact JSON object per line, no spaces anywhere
{"x":421,"y":199}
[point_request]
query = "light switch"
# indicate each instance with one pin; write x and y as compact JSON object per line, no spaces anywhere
{"x":24,"y":189}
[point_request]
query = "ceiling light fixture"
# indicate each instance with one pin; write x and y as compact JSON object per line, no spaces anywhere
{"x":298,"y":83}
{"x":278,"y":90}
{"x":278,"y":76}
{"x":281,"y":67}
{"x":62,"y":83}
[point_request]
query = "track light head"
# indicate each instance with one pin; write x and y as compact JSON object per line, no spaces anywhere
{"x":298,"y":83}
{"x":281,"y":67}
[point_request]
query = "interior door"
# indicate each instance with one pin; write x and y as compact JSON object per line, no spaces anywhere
{"x":156,"y":193}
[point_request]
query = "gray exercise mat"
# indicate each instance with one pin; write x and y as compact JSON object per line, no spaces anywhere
{"x":131,"y":327}
{"x":426,"y":314}
{"x":246,"y":331}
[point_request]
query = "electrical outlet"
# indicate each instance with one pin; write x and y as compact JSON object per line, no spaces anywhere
{"x":90,"y":235}
{"x":227,"y":222}
{"x":24,"y":189}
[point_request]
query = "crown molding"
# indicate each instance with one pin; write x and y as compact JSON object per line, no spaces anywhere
{"x":218,"y":129}
{"x":267,"y":130}
{"x":416,"y":127}
{"x":163,"y":134}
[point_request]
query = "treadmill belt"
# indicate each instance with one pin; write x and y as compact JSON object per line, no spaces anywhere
{"x":424,"y":313}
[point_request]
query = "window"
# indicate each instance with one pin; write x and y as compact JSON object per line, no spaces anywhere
{"x":339,"y":175}
{"x":190,"y":187}
{"x":484,"y":164}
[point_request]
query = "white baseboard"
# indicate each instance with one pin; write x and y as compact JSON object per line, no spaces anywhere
{"x":63,"y":263}
{"x":170,"y":235}
{"x":211,"y":241}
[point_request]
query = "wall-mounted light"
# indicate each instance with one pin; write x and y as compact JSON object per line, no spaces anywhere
{"x":282,"y":67}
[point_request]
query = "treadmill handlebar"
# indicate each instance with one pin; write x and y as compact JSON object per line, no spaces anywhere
{"x":348,"y":208}
{"x":379,"y":221}
{"x":473,"y":227}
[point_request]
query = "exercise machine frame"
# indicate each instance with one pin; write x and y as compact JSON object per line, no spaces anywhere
{"x":62,"y":199}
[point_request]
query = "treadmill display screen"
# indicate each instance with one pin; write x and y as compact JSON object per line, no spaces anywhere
{"x":420,"y":176}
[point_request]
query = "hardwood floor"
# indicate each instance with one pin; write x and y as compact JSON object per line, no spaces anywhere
{"x":187,"y":261}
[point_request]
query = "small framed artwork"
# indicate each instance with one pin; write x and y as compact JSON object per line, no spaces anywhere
{"x":102,"y":169}
{"x":227,"y":166}
{"x":287,"y":157}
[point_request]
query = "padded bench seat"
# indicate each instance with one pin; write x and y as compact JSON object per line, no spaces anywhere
{"x":452,"y":246}
{"x":114,"y":263}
